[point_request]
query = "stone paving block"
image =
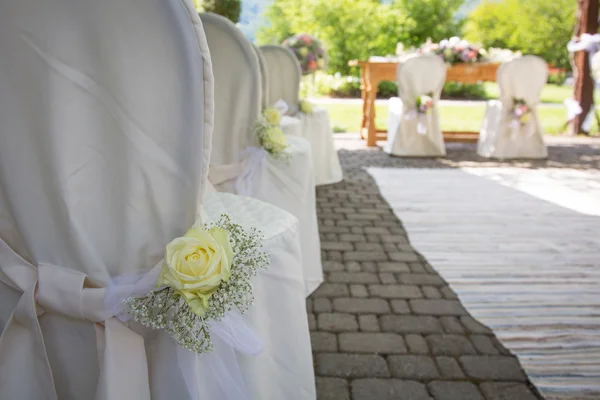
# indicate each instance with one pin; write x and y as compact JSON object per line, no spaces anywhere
{"x":449,"y":368}
{"x":352,"y":266}
{"x":443,"y":390}
{"x":390,"y":247}
{"x":351,"y":365}
{"x":500,"y":368}
{"x":507,"y":391}
{"x":353,"y":277}
{"x":484,"y":344}
{"x":448,"y":293}
{"x":312,"y":322}
{"x":336,"y":322}
{"x":375,"y":247}
{"x":380,"y":343}
{"x":368,"y":323}
{"x":363,"y":217}
{"x":420,"y":368}
{"x":410,"y":324}
{"x":398,"y":239}
{"x":387,"y":278}
{"x":421,"y":279}
{"x":391,"y":266}
{"x":431,"y":293}
{"x":364,"y":256}
{"x":368,"y":266}
{"x":503,"y":350}
{"x":451,"y":325}
{"x":332,"y":389}
{"x":342,"y":246}
{"x":395,"y":291}
{"x":474,"y":326}
{"x":402,"y":256}
{"x":323,"y":341}
{"x":333,"y":255}
{"x":331,"y":290}
{"x":400,"y":306}
{"x":416,"y":268}
{"x":359,"y":291}
{"x":450,"y":345}
{"x":388,"y":389}
{"x":437,"y":307}
{"x":332,"y":266}
{"x":322,"y":304}
{"x":361,"y":305}
{"x":416,"y":344}
{"x":351,"y":237}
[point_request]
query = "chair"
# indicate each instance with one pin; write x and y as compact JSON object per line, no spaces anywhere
{"x":105,"y":131}
{"x":289,"y":125}
{"x":502,"y":135}
{"x":284,"y":75}
{"x":286,"y":183}
{"x":412,"y":133}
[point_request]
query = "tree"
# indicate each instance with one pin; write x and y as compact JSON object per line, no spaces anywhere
{"x":230,"y":9}
{"x":433,"y":19}
{"x":539,"y":27}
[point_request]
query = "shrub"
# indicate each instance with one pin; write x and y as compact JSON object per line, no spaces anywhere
{"x":230,"y":9}
{"x":467,"y":91}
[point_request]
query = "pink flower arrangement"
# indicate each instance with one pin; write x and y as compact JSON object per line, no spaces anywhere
{"x":454,"y":51}
{"x":309,"y":51}
{"x":521,"y":112}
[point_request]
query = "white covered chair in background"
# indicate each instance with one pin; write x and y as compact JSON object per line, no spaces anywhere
{"x":284,"y":75}
{"x":102,"y":162}
{"x":502,"y":136}
{"x":410,"y":133}
{"x":237,"y":165}
{"x":289,"y":125}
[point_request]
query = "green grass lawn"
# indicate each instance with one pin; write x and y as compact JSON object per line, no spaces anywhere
{"x":453,"y":118}
{"x":550,"y":93}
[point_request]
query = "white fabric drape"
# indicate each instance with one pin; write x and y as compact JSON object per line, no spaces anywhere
{"x":284,"y":73}
{"x":104,"y":148}
{"x":412,"y":134}
{"x":287,"y":183}
{"x":500,"y":136}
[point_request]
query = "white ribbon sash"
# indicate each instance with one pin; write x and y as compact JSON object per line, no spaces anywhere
{"x":423,"y":120}
{"x":244,"y":173}
{"x":124,"y":372}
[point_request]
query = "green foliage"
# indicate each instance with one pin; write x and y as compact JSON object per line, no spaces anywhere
{"x":357,"y":29}
{"x":539,"y":27}
{"x":230,"y":9}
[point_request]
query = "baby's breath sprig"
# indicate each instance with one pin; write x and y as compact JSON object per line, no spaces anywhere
{"x":164,"y":309}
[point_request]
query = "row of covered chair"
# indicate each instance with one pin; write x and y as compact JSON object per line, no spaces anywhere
{"x":510,"y":129}
{"x":114,"y":115}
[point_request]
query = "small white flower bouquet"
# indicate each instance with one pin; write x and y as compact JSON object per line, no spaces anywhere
{"x":205,"y":274}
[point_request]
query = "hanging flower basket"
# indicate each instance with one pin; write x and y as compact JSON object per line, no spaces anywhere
{"x":309,"y":51}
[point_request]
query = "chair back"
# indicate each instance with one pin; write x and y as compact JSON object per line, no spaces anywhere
{"x":236,"y":69}
{"x":522,"y":78}
{"x":284,"y":76}
{"x":418,"y":76}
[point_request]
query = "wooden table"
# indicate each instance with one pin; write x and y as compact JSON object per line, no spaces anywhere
{"x":373,"y":72}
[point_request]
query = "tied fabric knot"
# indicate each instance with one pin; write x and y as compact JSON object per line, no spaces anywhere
{"x":243,"y":173}
{"x":57,"y":290}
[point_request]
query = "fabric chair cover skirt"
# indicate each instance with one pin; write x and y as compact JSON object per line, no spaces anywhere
{"x":417,"y":76}
{"x":284,"y":75}
{"x":103,"y":156}
{"x":287,"y":183}
{"x":501,"y":136}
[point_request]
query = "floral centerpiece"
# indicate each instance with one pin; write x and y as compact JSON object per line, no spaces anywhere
{"x":454,"y":51}
{"x":424,"y":103}
{"x":520,"y":112}
{"x":309,"y":51}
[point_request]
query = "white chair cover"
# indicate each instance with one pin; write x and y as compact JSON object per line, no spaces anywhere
{"x":284,"y":75}
{"x":289,"y":125}
{"x":500,"y":137}
{"x":286,"y":183}
{"x":411,"y":134}
{"x":104,"y":147}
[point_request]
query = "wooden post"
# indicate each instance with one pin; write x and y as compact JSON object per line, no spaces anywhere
{"x":584,"y":85}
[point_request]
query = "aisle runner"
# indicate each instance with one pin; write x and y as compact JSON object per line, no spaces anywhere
{"x":522,"y":250}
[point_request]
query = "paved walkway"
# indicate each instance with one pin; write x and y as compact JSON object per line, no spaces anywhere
{"x":384,"y":324}
{"x":520,"y":248}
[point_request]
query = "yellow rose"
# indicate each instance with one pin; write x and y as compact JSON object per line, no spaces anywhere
{"x":306,"y":107}
{"x":272,"y":115}
{"x":273,"y":140}
{"x":196,"y":264}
